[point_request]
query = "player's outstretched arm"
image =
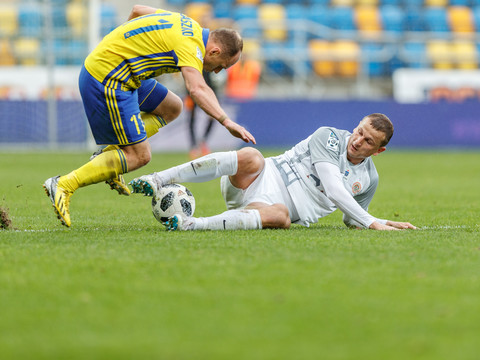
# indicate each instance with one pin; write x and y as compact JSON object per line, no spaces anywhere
{"x":205,"y":98}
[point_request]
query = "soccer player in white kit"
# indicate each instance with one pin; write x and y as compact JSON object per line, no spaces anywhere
{"x":331,"y":169}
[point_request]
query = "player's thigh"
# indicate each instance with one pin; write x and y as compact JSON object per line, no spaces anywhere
{"x":263,"y":189}
{"x":113,"y":114}
{"x":155,"y":98}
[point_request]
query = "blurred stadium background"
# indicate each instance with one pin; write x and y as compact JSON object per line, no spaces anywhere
{"x":322,"y":62}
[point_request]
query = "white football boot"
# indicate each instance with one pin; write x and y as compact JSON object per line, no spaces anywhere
{"x":146,"y":185}
{"x":180,"y":222}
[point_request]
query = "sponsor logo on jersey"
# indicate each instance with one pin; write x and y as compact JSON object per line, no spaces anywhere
{"x":346,"y":173}
{"x":199,"y":54}
{"x":356,"y":187}
{"x":332,"y":142}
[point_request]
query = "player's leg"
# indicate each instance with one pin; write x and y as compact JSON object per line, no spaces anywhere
{"x":255,"y":216}
{"x":159,"y":105}
{"x":167,"y":109}
{"x":114,"y":118}
{"x":242,"y":166}
{"x":190,"y":106}
{"x":203,"y":147}
{"x":254,"y":196}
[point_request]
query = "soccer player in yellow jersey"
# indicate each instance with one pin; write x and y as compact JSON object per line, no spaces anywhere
{"x":125,"y":105}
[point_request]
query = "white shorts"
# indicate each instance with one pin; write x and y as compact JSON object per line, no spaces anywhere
{"x":267,"y":188}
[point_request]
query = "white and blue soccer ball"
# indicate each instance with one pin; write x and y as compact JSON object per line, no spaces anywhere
{"x":172,"y":199}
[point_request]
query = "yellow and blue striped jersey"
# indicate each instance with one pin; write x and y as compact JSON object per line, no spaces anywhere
{"x":146,"y":47}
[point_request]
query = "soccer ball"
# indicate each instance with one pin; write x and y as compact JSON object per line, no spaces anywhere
{"x":172,"y":199}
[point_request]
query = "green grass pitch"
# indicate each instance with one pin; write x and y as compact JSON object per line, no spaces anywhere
{"x":117,"y":286}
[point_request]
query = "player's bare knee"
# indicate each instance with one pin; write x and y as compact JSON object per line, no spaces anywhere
{"x":250,"y":160}
{"x":170,"y":108}
{"x":174,"y":110}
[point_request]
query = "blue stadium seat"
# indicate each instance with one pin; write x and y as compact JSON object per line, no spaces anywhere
{"x":342,"y":18}
{"x":248,"y":13}
{"x":59,"y":2}
{"x":77,"y":52}
{"x":413,"y":3}
{"x":393,"y":64}
{"x":393,"y":18}
{"x":413,"y":54}
{"x":476,"y":17}
{"x":108,"y":15}
{"x":302,"y":67}
{"x":222,"y":10}
{"x":60,"y":51}
{"x":392,"y":2}
{"x":320,"y":15}
{"x":435,"y":19}
{"x":414,"y":19}
{"x":242,"y":12}
{"x":275,"y":66}
{"x":30,"y":20}
{"x":371,"y":65}
{"x":59,"y":20}
{"x":317,"y":2}
{"x":297,"y":11}
{"x":461,"y":3}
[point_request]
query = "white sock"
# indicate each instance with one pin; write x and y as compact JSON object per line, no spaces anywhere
{"x":203,"y":169}
{"x":230,"y":220}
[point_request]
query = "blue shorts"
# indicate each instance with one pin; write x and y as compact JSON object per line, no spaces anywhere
{"x":114,"y":115}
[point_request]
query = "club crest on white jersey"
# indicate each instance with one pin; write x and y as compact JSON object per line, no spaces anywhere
{"x":332,"y":142}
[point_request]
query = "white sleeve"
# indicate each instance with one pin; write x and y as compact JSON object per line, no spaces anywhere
{"x":332,"y":182}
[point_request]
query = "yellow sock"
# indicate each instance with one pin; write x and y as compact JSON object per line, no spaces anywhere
{"x":152,"y":123}
{"x":103,"y":167}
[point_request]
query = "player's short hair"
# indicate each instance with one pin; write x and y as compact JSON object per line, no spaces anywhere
{"x":229,"y":39}
{"x":381,"y":122}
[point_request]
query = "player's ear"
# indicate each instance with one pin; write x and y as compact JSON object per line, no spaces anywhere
{"x":215,"y":51}
{"x":380,"y":150}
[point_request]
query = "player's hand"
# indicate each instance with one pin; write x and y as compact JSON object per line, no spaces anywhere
{"x":401,"y":225}
{"x":391,"y":225}
{"x":238,"y":131}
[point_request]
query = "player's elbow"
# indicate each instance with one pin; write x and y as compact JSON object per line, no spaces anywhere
{"x":196,"y":92}
{"x":139,"y":10}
